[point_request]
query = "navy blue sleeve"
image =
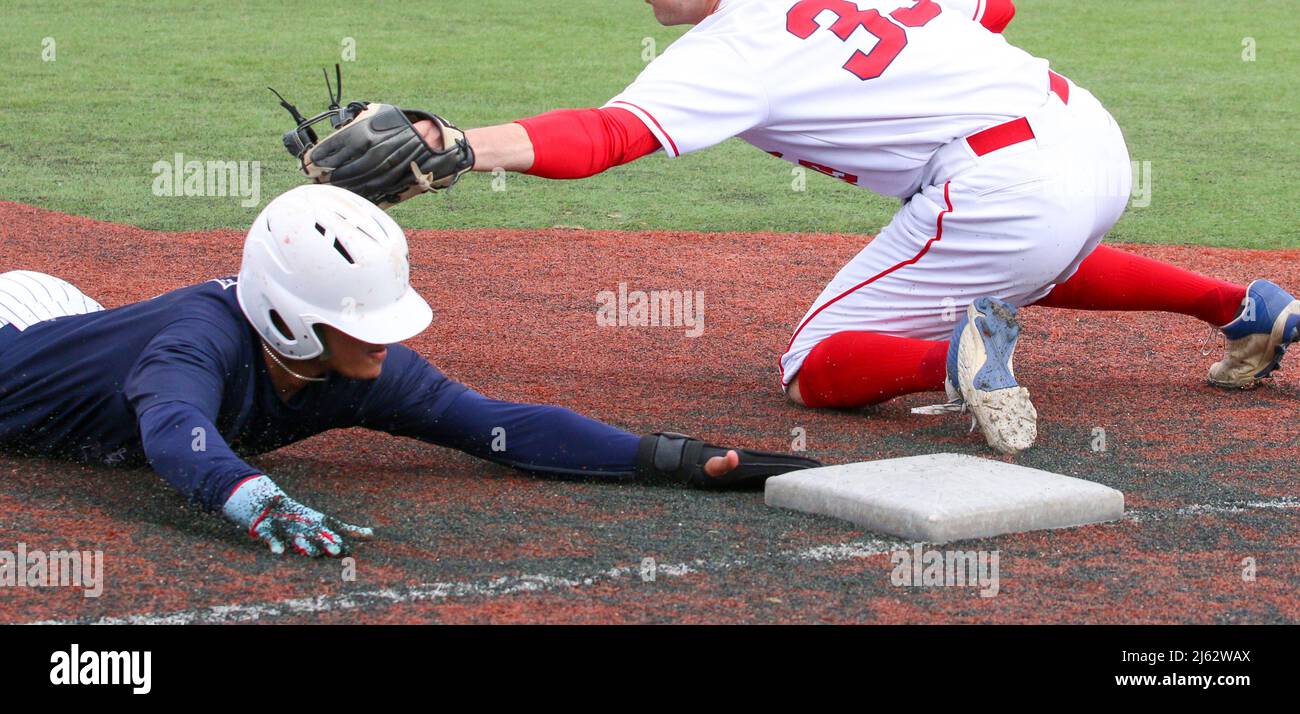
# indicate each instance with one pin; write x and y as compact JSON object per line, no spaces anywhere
{"x":185,"y":448}
{"x":412,"y":398}
{"x":175,"y":390}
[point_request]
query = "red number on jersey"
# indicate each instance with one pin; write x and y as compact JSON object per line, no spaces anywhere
{"x":801,"y":21}
{"x":918,"y":14}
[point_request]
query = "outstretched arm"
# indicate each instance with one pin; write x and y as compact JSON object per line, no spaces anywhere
{"x":562,"y":144}
{"x":389,"y":154}
{"x":534,"y":438}
{"x":505,"y":146}
{"x":412,"y":398}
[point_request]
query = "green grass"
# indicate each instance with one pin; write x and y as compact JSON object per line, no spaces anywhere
{"x":136,"y":82}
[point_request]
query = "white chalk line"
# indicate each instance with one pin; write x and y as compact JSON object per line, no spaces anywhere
{"x":495,"y":587}
{"x":533,"y":583}
{"x":1149,"y":514}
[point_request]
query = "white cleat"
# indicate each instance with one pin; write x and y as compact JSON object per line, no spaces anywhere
{"x":1257,"y":337}
{"x":980,"y":375}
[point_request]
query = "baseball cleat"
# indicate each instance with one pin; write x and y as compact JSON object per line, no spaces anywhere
{"x":980,"y":375}
{"x":1257,"y":337}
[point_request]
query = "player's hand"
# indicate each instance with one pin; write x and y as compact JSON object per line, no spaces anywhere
{"x":267,"y":514}
{"x":680,"y":458}
{"x":431,"y":134}
{"x":720,"y":466}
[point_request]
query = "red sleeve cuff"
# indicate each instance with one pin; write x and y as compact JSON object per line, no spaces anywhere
{"x":998,"y":14}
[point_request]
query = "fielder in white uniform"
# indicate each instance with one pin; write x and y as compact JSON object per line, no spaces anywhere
{"x":1009,"y":176}
{"x":797,"y":85}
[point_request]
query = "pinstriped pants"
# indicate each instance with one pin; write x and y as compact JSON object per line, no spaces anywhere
{"x":28,"y":297}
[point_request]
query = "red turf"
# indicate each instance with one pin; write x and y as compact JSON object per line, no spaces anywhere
{"x":462,"y":541}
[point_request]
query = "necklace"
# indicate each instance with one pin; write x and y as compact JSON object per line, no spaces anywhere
{"x":285,"y":367}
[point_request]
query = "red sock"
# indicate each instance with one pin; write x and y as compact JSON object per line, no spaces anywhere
{"x":855,"y":369}
{"x":1111,"y":279}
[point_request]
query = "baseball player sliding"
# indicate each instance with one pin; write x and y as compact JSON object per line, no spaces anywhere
{"x":1009,"y":176}
{"x":302,"y":341}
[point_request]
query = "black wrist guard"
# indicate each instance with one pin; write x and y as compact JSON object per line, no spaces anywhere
{"x":678,"y":458}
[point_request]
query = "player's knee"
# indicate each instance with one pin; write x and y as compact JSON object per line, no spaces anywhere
{"x":792,"y":392}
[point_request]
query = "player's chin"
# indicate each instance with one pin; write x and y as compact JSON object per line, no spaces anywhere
{"x":667,"y":19}
{"x":368,"y":365}
{"x":663,"y":15}
{"x":364,"y":374}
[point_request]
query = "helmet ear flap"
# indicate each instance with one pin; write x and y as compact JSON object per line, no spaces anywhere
{"x":275,"y":327}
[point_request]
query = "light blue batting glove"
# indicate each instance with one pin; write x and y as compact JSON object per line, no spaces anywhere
{"x":264,"y":511}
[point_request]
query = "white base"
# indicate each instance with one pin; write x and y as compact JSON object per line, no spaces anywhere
{"x":945,"y":497}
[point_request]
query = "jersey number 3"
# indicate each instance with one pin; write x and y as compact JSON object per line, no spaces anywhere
{"x":891,"y":38}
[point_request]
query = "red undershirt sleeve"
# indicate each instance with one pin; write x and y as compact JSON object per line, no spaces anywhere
{"x":998,"y":14}
{"x":577,"y":143}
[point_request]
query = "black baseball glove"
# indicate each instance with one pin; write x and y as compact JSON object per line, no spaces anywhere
{"x":375,"y":150}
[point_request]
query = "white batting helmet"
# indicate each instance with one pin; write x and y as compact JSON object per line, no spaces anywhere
{"x":322,"y":255}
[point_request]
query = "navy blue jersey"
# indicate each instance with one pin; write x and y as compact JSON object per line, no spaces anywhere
{"x":179,"y":382}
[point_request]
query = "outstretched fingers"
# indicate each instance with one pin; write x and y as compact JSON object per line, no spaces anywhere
{"x":349,"y":530}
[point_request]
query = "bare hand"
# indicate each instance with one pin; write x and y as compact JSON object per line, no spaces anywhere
{"x":431,"y":134}
{"x":720,"y":465}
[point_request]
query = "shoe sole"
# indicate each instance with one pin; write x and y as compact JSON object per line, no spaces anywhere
{"x":1001,"y":407}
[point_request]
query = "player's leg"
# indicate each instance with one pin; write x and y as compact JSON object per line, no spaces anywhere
{"x":866,"y":338}
{"x":880,"y":329}
{"x":998,"y":235}
{"x":854,"y":369}
{"x":28,"y":297}
{"x":1259,"y":320}
{"x":1111,"y":279}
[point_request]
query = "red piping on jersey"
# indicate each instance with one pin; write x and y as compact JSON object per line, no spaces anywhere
{"x":938,"y":235}
{"x":667,"y":136}
{"x":1060,"y":85}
